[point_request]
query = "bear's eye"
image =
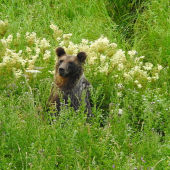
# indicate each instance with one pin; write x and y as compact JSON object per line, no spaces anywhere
{"x":60,"y":62}
{"x":71,"y":64}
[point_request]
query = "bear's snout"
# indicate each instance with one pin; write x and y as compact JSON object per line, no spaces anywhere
{"x":62,"y":71}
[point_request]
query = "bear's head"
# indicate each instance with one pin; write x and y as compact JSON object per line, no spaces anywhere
{"x":69,"y":65}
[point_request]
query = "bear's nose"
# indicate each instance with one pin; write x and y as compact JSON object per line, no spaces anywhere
{"x":61,"y":70}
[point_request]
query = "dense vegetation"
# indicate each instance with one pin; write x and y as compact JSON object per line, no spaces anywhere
{"x":127,"y":43}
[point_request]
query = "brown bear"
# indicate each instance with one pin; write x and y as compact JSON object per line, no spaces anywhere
{"x":70,"y":82}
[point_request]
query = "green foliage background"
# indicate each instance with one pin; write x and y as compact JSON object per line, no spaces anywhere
{"x":129,"y":131}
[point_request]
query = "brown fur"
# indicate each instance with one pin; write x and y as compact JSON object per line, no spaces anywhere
{"x":61,"y":82}
{"x":69,"y":81}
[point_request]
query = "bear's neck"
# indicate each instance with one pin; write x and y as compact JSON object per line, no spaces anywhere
{"x":66,"y":83}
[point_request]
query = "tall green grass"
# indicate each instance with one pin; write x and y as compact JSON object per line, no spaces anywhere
{"x":130,"y":129}
{"x":86,"y":19}
{"x":152,"y":32}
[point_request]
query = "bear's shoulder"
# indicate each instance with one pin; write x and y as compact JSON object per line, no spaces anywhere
{"x":83,"y":82}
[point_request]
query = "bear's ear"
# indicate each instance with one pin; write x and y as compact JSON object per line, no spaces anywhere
{"x":82,"y":56}
{"x":60,"y":51}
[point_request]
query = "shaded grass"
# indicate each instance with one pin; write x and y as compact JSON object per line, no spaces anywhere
{"x":124,"y":14}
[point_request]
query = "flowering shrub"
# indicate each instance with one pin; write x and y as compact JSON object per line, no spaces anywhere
{"x":105,"y":60}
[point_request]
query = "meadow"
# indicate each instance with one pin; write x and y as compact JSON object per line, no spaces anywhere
{"x":127,"y":43}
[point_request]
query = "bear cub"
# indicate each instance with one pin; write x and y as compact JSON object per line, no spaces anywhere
{"x":70,"y":82}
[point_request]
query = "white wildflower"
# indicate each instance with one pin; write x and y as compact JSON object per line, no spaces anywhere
{"x":37,"y":50}
{"x":62,"y":44}
{"x":72,"y":48}
{"x":139,"y":86}
{"x":44,"y":44}
{"x":132,"y":53}
{"x":136,"y":68}
{"x":83,"y":46}
{"x":51,"y":72}
{"x":92,"y":57}
{"x":18,"y":36}
{"x":9,"y":38}
{"x":20,"y":52}
{"x":140,"y":64}
{"x":136,"y":60}
{"x":120,"y":66}
{"x":137,"y":71}
{"x":148,"y":66}
{"x":113,"y":46}
{"x":120,"y":86}
{"x":28,"y":50}
{"x":119,"y":94}
{"x":53,"y":27}
{"x":58,"y":39}
{"x":118,"y":57}
{"x":155,"y":77}
{"x":4,"y":42}
{"x":120,"y":112}
{"x":17,"y":73}
{"x":136,"y":81}
{"x":111,"y":50}
{"x":6,"y":59}
{"x":142,"y":57}
{"x":23,"y":61}
{"x":100,"y":45}
{"x":67,"y":37}
{"x":127,"y":76}
{"x":149,"y":79}
{"x":15,"y":57}
{"x":84,"y":41}
{"x":34,"y":57}
{"x":102,"y":58}
{"x":30,"y":37}
{"x":31,"y":64}
{"x":9,"y":51}
{"x":91,"y":60}
{"x":47,"y":55}
{"x":57,"y":31}
{"x":37,"y":42}
{"x":33,"y":71}
{"x":104,"y":69}
{"x":159,"y":67}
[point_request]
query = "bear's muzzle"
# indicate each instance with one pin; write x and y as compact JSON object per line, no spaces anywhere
{"x":62,"y":72}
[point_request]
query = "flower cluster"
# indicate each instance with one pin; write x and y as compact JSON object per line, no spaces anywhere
{"x":31,"y":38}
{"x":23,"y":62}
{"x":7,"y":41}
{"x":44,"y":45}
{"x":11,"y":58}
{"x":100,"y":45}
{"x":57,"y":32}
{"x":104,"y":58}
